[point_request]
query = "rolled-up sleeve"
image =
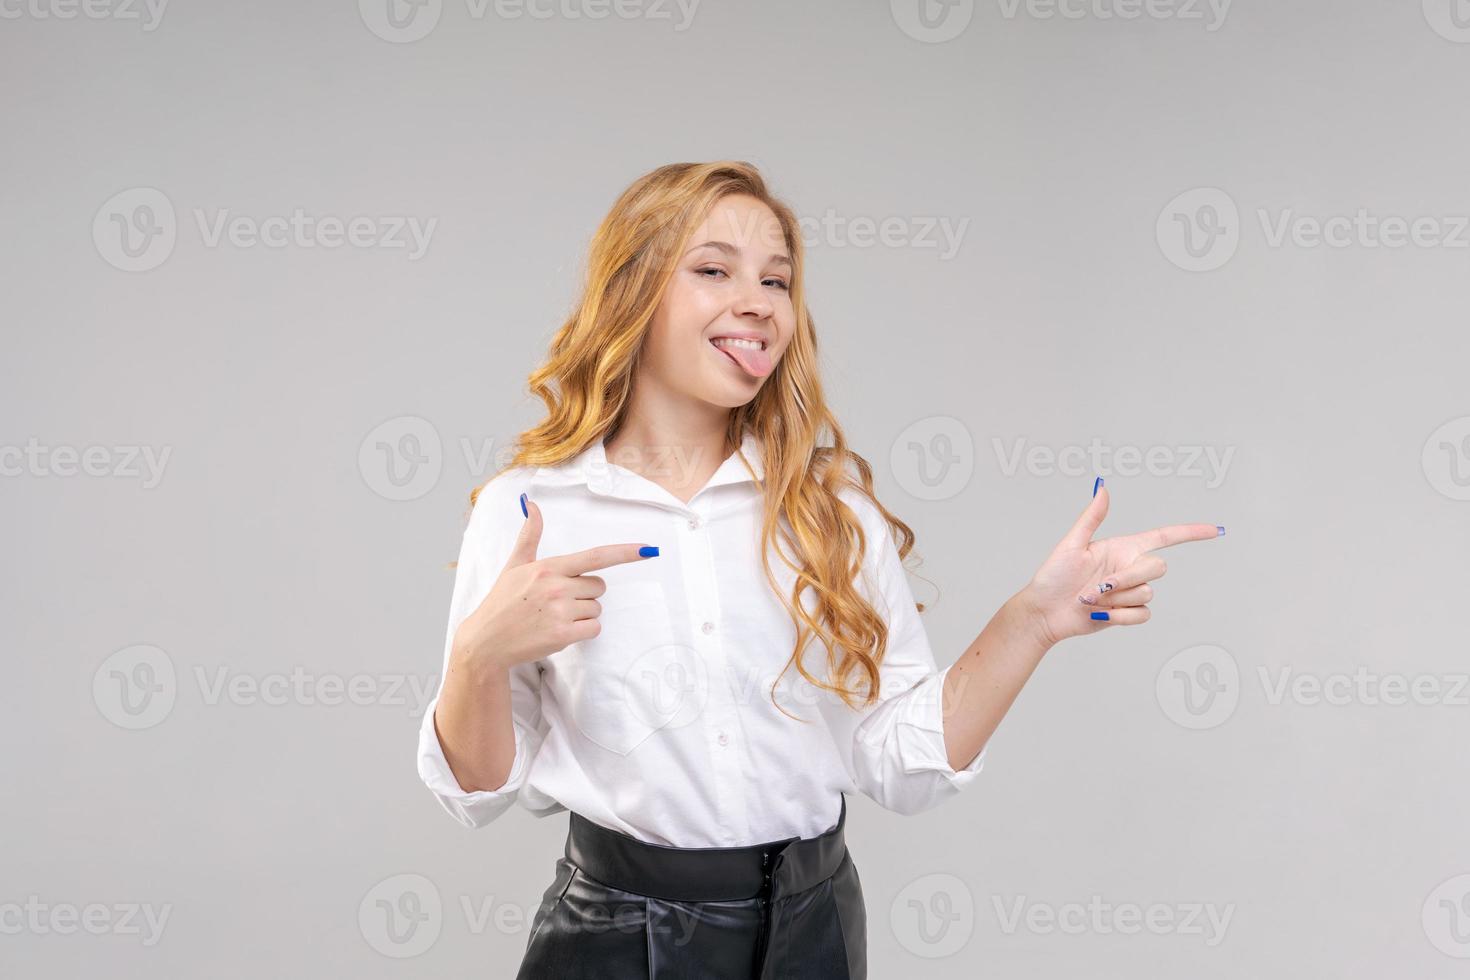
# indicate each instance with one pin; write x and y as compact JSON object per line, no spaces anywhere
{"x":483,"y":551}
{"x":898,"y":756}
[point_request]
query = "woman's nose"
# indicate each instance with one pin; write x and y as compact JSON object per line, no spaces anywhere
{"x":753,"y":300}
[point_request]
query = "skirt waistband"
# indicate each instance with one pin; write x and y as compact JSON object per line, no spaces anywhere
{"x":705,"y":874}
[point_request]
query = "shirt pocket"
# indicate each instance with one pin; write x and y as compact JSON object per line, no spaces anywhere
{"x":628,"y":681}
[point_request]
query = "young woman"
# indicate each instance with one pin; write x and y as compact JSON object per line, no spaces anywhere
{"x":681,"y":615}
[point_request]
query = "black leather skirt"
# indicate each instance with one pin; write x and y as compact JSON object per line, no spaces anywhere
{"x":620,"y":909}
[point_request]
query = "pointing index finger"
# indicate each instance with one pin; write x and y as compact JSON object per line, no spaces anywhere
{"x":602,"y":556}
{"x":1163,"y":537}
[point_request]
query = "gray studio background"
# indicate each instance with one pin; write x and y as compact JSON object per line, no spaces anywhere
{"x":216,"y":661}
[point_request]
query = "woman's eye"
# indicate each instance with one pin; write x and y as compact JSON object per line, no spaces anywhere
{"x":769,"y":281}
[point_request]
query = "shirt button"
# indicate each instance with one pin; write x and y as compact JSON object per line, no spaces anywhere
{"x":724,"y":739}
{"x":708,"y":627}
{"x":694,"y":523}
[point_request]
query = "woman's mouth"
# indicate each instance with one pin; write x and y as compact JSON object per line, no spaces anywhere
{"x":749,"y":355}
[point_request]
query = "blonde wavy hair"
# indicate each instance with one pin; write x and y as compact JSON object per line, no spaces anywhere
{"x":588,"y":376}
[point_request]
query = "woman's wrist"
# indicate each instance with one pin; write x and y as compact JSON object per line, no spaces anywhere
{"x":1029,"y":619}
{"x":477,"y":665}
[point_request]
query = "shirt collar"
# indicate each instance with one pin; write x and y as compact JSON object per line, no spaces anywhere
{"x":591,"y":467}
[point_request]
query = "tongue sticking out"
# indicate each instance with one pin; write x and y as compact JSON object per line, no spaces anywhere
{"x":756,"y":363}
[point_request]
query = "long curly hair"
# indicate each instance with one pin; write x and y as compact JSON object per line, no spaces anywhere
{"x":588,"y":376}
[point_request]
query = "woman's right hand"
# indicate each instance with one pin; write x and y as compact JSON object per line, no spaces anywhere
{"x":539,"y":605}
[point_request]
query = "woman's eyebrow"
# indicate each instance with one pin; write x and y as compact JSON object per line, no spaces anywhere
{"x":729,"y":249}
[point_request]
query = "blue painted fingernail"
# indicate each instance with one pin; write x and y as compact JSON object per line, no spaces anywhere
{"x":648,"y":551}
{"x":1219,"y":530}
{"x":524,"y":512}
{"x":1099,"y":615}
{"x":1095,"y":484}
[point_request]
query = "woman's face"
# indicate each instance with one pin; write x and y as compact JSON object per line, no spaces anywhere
{"x":731,"y":280}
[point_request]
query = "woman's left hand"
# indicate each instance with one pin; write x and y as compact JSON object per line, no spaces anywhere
{"x":1086,"y":585}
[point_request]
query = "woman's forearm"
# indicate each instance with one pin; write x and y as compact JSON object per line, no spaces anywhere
{"x":981,"y":686}
{"x":474,"y":722}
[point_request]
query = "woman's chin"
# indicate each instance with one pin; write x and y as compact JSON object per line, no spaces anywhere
{"x":727,"y":394}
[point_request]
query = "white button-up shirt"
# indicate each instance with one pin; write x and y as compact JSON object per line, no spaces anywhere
{"x":662,"y":726}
